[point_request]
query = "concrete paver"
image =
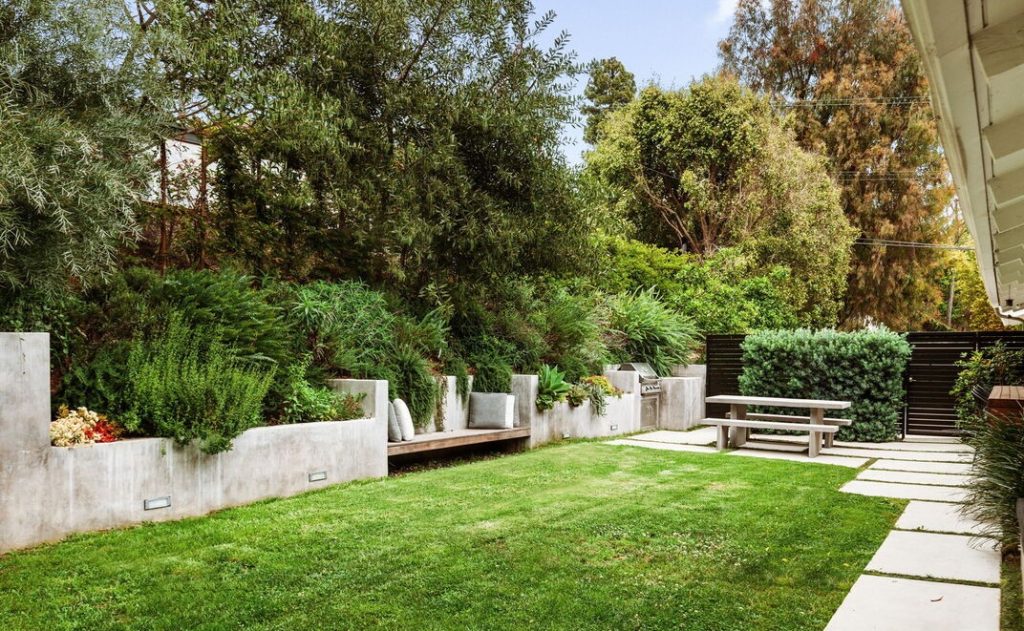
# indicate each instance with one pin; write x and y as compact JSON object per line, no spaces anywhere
{"x":937,"y":517}
{"x":930,"y":555}
{"x":904,"y":491}
{"x":914,"y":477}
{"x":883,"y":603}
{"x":960,"y":468}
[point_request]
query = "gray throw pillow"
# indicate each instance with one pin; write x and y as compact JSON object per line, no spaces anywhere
{"x":394,"y":431}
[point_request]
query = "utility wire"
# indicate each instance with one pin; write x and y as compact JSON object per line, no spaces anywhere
{"x":893,"y":243}
{"x":896,"y":101}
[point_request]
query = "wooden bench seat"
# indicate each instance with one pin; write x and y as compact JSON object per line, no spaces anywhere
{"x":742,"y":427}
{"x":436,"y":441}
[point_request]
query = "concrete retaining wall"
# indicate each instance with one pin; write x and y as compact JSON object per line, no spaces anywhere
{"x":49,"y":492}
{"x":565,"y":421}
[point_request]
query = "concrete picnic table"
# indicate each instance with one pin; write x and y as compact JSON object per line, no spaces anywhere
{"x":816,"y":407}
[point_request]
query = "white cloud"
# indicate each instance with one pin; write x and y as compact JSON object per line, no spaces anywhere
{"x":724,"y":10}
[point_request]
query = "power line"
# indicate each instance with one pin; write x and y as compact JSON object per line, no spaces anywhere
{"x":893,"y":243}
{"x":895,"y":101}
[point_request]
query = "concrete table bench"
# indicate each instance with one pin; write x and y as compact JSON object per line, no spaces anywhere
{"x":814,"y":421}
{"x":742,"y":426}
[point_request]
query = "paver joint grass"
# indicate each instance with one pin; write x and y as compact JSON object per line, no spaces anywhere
{"x":578,"y":536}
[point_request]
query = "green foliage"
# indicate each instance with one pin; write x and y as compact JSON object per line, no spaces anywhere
{"x":492,"y":359}
{"x":998,"y":440}
{"x":414,"y":383}
{"x":610,"y":87}
{"x":863,"y":367}
{"x":996,"y":365}
{"x":829,"y":52}
{"x":186,"y":385}
{"x":715,"y":166}
{"x":576,"y":395}
{"x":724,"y":293}
{"x":551,"y":387}
{"x":306,"y":403}
{"x":651,"y":332}
{"x":598,"y":389}
{"x":998,"y":472}
{"x":73,"y":164}
{"x":348,"y":327}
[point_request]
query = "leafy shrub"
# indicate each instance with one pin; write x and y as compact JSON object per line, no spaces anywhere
{"x":414,"y":383}
{"x":551,"y":387}
{"x":863,"y":367}
{"x":727,"y":292}
{"x":347,"y":326}
{"x":492,"y":359}
{"x":306,"y":403}
{"x":187,"y":386}
{"x":651,"y":332}
{"x":598,"y":389}
{"x":979,"y":372}
{"x":576,"y":395}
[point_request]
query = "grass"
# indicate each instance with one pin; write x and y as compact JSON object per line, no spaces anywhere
{"x":1012,"y":618}
{"x":580,"y":536}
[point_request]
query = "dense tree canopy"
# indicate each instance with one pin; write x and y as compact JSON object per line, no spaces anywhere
{"x":852,"y":72}
{"x":713,"y":166}
{"x":72,"y":134}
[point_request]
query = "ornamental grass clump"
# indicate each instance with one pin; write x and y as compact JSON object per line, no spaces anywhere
{"x":185,"y":385}
{"x":998,"y":439}
{"x":651,"y":331}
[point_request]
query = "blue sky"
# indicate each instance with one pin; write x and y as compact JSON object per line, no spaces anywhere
{"x":669,"y":42}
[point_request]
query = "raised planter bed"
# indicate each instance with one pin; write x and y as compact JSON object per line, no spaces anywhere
{"x":49,"y":492}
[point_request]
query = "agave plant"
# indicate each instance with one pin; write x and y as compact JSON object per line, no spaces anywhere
{"x":552,"y":387}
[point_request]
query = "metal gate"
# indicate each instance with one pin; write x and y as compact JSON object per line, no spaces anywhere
{"x":931,"y":373}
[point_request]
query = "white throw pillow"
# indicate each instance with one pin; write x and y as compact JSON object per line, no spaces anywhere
{"x":394,"y":430}
{"x":404,"y":420}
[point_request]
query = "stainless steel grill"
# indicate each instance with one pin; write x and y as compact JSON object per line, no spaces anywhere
{"x":650,"y":392}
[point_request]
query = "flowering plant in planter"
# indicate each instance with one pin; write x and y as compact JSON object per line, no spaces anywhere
{"x":82,"y":427}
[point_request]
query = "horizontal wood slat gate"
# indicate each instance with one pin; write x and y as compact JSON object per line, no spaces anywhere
{"x":931,"y":373}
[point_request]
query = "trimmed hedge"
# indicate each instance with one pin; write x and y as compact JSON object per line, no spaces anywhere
{"x":863,"y":367}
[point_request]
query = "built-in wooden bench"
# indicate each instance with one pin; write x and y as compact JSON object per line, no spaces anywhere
{"x":815,"y":431}
{"x":437,"y":441}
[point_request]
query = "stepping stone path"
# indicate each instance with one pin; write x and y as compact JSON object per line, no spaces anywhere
{"x":932,"y":552}
{"x":935,"y":571}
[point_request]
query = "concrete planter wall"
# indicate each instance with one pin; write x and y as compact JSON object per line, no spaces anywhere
{"x":49,"y":492}
{"x":682,"y":397}
{"x":565,"y":421}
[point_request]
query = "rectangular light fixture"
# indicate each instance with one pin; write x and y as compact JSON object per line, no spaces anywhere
{"x":318,"y":476}
{"x":613,"y":427}
{"x":157,"y":502}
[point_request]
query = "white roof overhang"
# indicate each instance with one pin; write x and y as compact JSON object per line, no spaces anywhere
{"x":973,"y":56}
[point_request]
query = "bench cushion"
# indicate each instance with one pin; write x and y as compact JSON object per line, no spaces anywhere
{"x":394,"y":430}
{"x":404,"y":420}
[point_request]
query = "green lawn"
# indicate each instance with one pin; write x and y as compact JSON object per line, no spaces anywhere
{"x":576,"y":536}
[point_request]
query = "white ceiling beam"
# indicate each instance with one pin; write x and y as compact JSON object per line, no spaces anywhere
{"x":1009,"y":244}
{"x":1001,"y":46}
{"x":1009,"y":216}
{"x":1005,"y":138}
{"x":1008,"y":187}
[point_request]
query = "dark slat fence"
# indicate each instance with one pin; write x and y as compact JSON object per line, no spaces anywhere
{"x":928,"y":408}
